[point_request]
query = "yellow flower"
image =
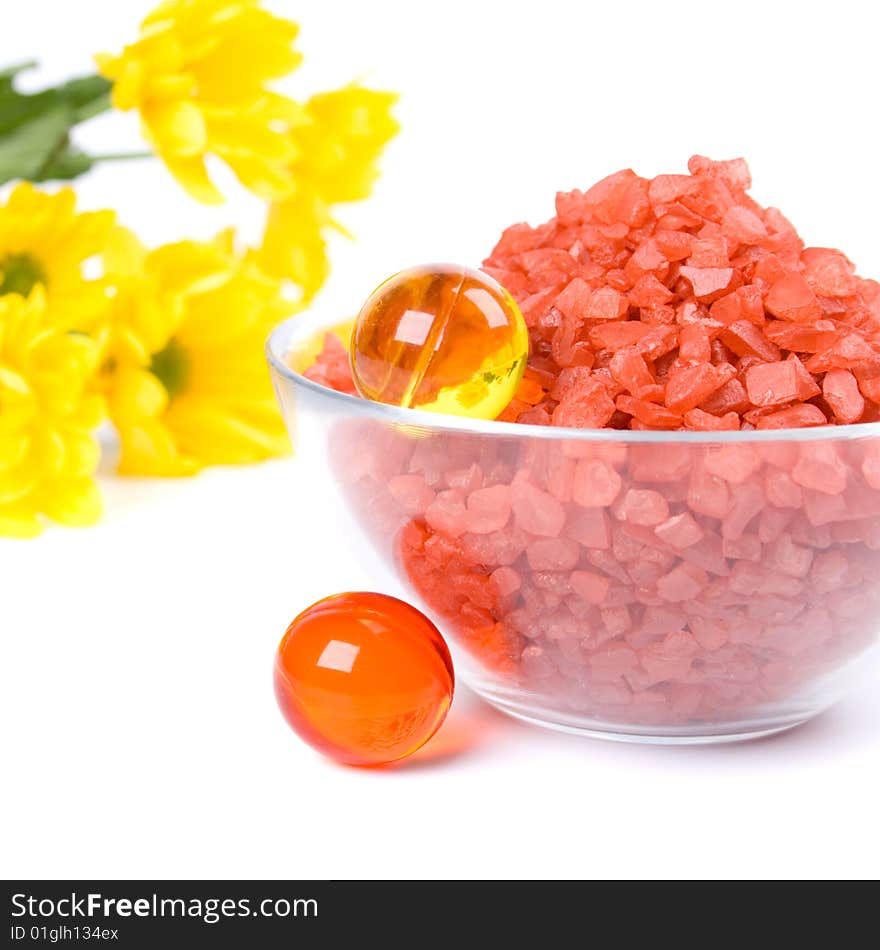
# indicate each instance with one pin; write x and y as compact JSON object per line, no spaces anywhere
{"x":47,"y":414}
{"x":338,"y":154}
{"x":44,"y":241}
{"x":185,"y":375}
{"x":197,"y":75}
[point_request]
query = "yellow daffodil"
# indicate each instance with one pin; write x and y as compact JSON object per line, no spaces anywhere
{"x":47,"y":414}
{"x":185,"y":376}
{"x":43,"y":240}
{"x":338,"y":152}
{"x":198,"y":77}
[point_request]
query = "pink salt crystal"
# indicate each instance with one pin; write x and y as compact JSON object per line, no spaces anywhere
{"x":628,"y":368}
{"x":536,"y":664}
{"x":642,"y":506}
{"x":589,"y":526}
{"x":791,"y":298}
{"x":820,"y":467}
{"x":829,"y":272}
{"x":682,"y":583}
{"x":748,"y":500}
{"x":688,"y":386}
{"x":666,"y":188}
{"x":782,"y":490}
{"x":649,"y":292}
{"x":842,"y":394}
{"x":648,"y":413}
{"x":806,"y":384}
{"x":464,"y":479}
{"x":616,"y":620}
{"x":710,"y":634}
{"x":849,"y":352}
{"x":674,"y":245}
{"x":732,"y":463}
{"x":596,"y":484}
{"x":708,"y":494}
{"x":746,"y":548}
{"x":411,"y":493}
{"x":871,"y":466}
{"x":709,"y":283}
{"x":488,"y":509}
{"x":680,"y":531}
{"x":810,"y":338}
{"x":795,"y":417}
{"x":574,"y":300}
{"x":447,"y":514}
{"x":553,"y":554}
{"x":703,"y":421}
{"x":661,"y":668}
{"x":772,"y":384}
{"x":789,"y":558}
{"x":614,"y":656}
{"x":585,"y":407}
{"x":589,"y":586}
{"x":536,"y":511}
{"x":773,"y":522}
{"x":745,"y":339}
{"x":507,"y":581}
{"x":742,"y":225}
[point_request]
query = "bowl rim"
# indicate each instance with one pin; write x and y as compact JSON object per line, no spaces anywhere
{"x":305,"y":324}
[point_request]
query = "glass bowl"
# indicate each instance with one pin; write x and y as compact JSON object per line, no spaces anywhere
{"x":648,"y":586}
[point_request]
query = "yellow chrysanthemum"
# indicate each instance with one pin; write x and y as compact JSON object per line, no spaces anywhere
{"x":198,"y":77}
{"x":47,"y":414}
{"x":338,"y":153}
{"x":185,"y":375}
{"x":43,"y":240}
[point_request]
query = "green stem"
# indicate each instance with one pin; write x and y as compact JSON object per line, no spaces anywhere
{"x":120,"y":156}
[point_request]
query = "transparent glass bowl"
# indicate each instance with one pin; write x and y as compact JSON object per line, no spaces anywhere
{"x":652,"y":586}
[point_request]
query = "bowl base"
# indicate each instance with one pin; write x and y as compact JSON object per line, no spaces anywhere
{"x":688,"y":734}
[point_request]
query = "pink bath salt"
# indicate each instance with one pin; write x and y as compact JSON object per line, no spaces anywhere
{"x":447,"y":514}
{"x":507,"y":581}
{"x":701,"y":421}
{"x":823,"y":509}
{"x":791,"y":298}
{"x":590,"y":527}
{"x":747,"y":547}
{"x":648,"y":413}
{"x":772,"y":522}
{"x":745,"y":339}
{"x":708,"y":494}
{"x":742,"y":225}
{"x":710,"y":283}
{"x":605,"y":303}
{"x":679,"y":531}
{"x":789,"y":558}
{"x":800,"y":338}
{"x":733,"y":463}
{"x":615,"y":620}
{"x":587,"y":406}
{"x":488,"y":509}
{"x":820,"y":467}
{"x":851,"y":351}
{"x":710,"y":634}
{"x":535,"y":663}
{"x":661,"y":668}
{"x":807,"y":385}
{"x":499,"y":548}
{"x":649,"y":292}
{"x":536,"y":511}
{"x":747,"y":501}
{"x":841,"y":392}
{"x":574,"y":300}
{"x":596,"y":484}
{"x":411,"y":493}
{"x":614,"y":657}
{"x":829,"y":272}
{"x":682,"y":583}
{"x":629,"y":369}
{"x":871,"y":466}
{"x":782,"y":490}
{"x":772,"y":384}
{"x":687,"y":387}
{"x":465,"y":480}
{"x":553,"y":554}
{"x":589,"y":586}
{"x":642,"y":506}
{"x":801,"y":416}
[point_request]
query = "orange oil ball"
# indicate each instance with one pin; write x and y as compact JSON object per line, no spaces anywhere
{"x":443,"y":338}
{"x":364,"y":678}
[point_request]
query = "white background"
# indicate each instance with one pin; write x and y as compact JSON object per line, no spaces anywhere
{"x":140,"y":733}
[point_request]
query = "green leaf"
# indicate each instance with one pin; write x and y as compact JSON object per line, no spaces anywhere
{"x":35,"y":127}
{"x":68,"y":163}
{"x":30,"y":147}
